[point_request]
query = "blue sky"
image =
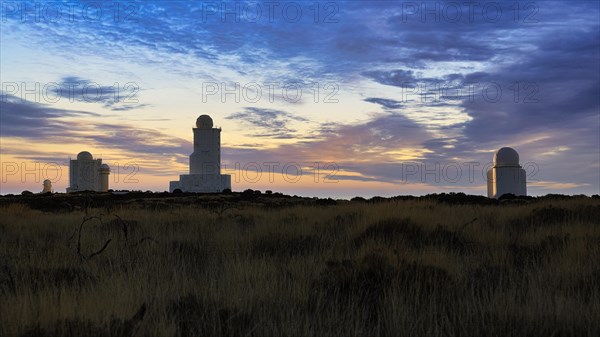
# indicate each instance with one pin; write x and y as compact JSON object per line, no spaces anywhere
{"x":387,"y":87}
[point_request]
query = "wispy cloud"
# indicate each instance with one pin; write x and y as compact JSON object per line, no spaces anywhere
{"x":385,"y":102}
{"x":268,"y":122}
{"x":35,"y":122}
{"x":117,"y":97}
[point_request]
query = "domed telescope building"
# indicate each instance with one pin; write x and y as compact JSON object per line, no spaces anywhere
{"x":205,"y":162}
{"x":47,"y":186}
{"x":506,"y":176}
{"x":87,"y":174}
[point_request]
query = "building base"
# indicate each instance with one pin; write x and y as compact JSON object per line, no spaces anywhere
{"x":201,"y":183}
{"x":506,"y":180}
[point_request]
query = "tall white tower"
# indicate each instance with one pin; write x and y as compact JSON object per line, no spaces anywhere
{"x":104,"y":171}
{"x":506,"y":176}
{"x":205,"y":162}
{"x":206,"y":158}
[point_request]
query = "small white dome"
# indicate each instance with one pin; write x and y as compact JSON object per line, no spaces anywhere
{"x":506,"y":156}
{"x":84,"y":155}
{"x":204,"y":122}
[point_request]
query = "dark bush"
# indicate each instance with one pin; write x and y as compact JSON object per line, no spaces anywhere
{"x":346,"y":282}
{"x":285,"y":245}
{"x":549,"y":215}
{"x":245,"y":221}
{"x":428,"y":280}
{"x":346,"y":219}
{"x":589,"y":213}
{"x":460,"y":199}
{"x":248,"y":194}
{"x":377,"y":199}
{"x":394,"y":229}
{"x":453,"y":241}
{"x":326,"y":202}
{"x":412,"y":235}
{"x":489,"y":278}
{"x":7,"y":278}
{"x":195,"y":316}
{"x":77,"y":328}
{"x":525,"y":256}
{"x":190,"y":253}
{"x":56,"y":278}
{"x":535,"y":255}
{"x":585,"y":286}
{"x":554,"y":243}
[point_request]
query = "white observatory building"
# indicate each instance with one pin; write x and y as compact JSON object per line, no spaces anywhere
{"x":87,"y":174}
{"x":205,"y":162}
{"x":506,"y":176}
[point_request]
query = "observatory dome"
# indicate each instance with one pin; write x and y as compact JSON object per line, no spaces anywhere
{"x":204,"y":122}
{"x":47,"y":182}
{"x":104,"y":167}
{"x":84,"y":155}
{"x":506,"y":156}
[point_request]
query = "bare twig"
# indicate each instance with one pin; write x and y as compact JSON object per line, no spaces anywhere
{"x":85,"y":219}
{"x":466,"y":224}
{"x":72,"y":236}
{"x":123,"y":226}
{"x":101,"y":250}
{"x":254,"y":328}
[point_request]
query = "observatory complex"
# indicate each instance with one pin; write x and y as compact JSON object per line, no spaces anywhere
{"x":205,"y":162}
{"x":87,"y":174}
{"x":506,"y":176}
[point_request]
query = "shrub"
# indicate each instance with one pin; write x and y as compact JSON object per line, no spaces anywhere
{"x":282,"y":245}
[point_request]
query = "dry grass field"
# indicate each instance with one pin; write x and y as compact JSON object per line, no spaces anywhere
{"x":270,"y":267}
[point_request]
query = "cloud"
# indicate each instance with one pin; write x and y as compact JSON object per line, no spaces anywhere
{"x":386,"y":103}
{"x":21,"y":118}
{"x":399,"y":77}
{"x":35,"y":122}
{"x":118,"y":97}
{"x":548,"y":89}
{"x":353,"y":148}
{"x":271,"y":123}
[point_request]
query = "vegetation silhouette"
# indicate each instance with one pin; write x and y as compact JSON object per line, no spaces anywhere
{"x":249,"y":264}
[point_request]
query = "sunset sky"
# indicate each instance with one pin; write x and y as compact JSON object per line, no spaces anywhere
{"x":397,"y":97}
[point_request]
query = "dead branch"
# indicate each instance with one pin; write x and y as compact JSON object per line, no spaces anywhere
{"x":124,"y":226}
{"x":101,"y":250}
{"x":466,"y":224}
{"x":85,"y":219}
